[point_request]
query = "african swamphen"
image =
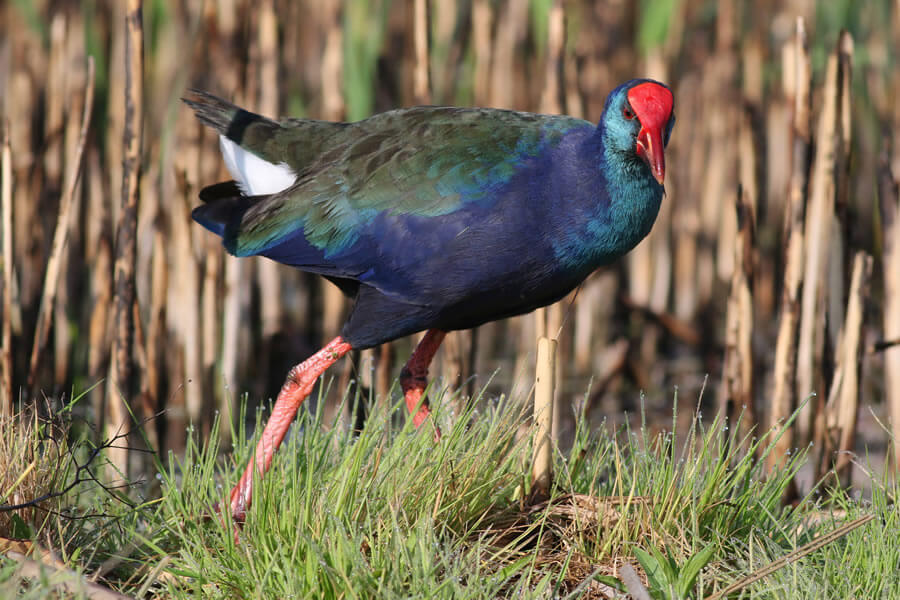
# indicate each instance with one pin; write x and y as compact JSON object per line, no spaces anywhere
{"x":433,"y":218}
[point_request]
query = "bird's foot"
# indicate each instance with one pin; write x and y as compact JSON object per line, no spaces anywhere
{"x":237,"y":520}
{"x":419,"y":410}
{"x":238,"y":506}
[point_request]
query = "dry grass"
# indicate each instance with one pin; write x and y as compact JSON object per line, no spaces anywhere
{"x":34,"y":456}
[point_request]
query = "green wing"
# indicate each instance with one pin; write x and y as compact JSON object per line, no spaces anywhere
{"x":425,"y":161}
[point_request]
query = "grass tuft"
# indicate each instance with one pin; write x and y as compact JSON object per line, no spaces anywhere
{"x":387,"y":512}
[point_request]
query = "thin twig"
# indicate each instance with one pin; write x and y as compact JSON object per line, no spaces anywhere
{"x":792,"y":557}
{"x":882,"y":345}
{"x":126,"y":229}
{"x":6,"y":390}
{"x":61,"y":235}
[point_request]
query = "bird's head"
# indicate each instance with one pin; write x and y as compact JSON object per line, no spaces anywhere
{"x":638,"y":119}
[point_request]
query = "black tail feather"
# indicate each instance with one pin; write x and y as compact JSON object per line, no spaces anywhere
{"x":211,"y":110}
{"x":223,"y":116}
{"x":220,"y":191}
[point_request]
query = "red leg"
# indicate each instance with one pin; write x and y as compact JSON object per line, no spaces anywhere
{"x":296,"y":388}
{"x":413,"y":377}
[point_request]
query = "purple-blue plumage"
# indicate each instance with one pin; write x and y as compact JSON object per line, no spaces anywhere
{"x":497,"y":212}
{"x":434,"y":218}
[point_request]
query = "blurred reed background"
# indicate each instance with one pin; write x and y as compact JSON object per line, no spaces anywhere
{"x":773,"y":269}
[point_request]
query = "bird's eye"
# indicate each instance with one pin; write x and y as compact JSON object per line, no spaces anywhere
{"x":628,"y":113}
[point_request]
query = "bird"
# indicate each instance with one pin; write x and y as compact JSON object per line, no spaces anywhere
{"x":432,"y":218}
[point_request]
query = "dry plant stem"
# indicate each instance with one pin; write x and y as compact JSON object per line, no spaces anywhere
{"x":209,"y":327}
{"x":236,"y":295}
{"x":738,"y":367}
{"x":61,"y":235}
{"x":421,"y":85}
{"x":511,"y":29}
{"x":548,"y":320}
{"x":889,"y":205}
{"x":6,"y":389}
{"x":333,"y":109}
{"x":544,"y":388}
{"x":843,"y":398}
{"x":482,"y":16}
{"x":553,"y":65}
{"x":126,"y":230}
{"x":817,"y":236}
{"x":819,"y":542}
{"x":783,"y":399}
{"x":838,"y":252}
{"x":268,"y":272}
{"x":156,"y":331}
{"x":54,"y":111}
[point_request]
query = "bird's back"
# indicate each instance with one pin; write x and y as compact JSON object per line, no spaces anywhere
{"x":430,"y":216}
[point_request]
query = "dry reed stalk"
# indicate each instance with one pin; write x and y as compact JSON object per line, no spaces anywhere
{"x":61,"y":339}
{"x":115,"y":110}
{"x":818,"y":238}
{"x":156,"y":331}
{"x":233,"y":306}
{"x":126,"y":230}
{"x":99,"y":238}
{"x":544,"y":391}
{"x":482,"y":17}
{"x":583,"y":327}
{"x":843,"y":397}
{"x":445,"y":60}
{"x":837,"y":271}
{"x":269,"y":272}
{"x":724,"y":67}
{"x":61,"y":234}
{"x":333,"y":108}
{"x":593,"y":311}
{"x":209,"y":324}
{"x":738,"y":367}
{"x":6,"y":229}
{"x":551,"y":92}
{"x":657,"y":247}
{"x":145,"y":410}
{"x":715,"y":223}
{"x":188,"y":294}
{"x":54,"y":110}
{"x":547,"y":319}
{"x":27,"y":59}
{"x":421,"y":79}
{"x":70,"y":265}
{"x":385,"y":368}
{"x":573,"y":101}
{"x":223,"y":56}
{"x":748,"y":154}
{"x":511,"y":28}
{"x":458,"y":351}
{"x":686,"y":220}
{"x":889,"y":205}
{"x":783,"y":402}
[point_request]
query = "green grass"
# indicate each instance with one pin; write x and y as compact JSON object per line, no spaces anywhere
{"x":388,"y":513}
